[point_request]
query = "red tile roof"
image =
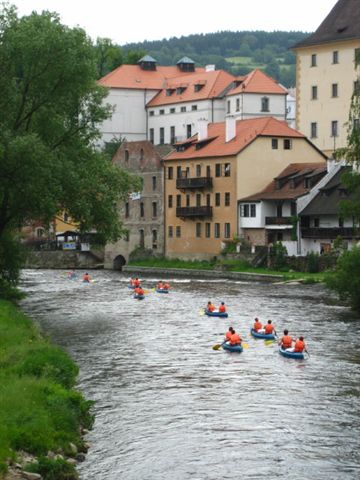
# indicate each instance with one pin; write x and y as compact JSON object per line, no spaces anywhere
{"x":257,"y":82}
{"x":291,"y":181}
{"x":133,"y":76}
{"x":246,"y":132}
{"x":212,"y":85}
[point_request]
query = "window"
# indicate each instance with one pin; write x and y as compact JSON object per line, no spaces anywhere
{"x":127,"y":210}
{"x":244,"y":210}
{"x":142,"y":238}
{"x":193,"y":107}
{"x":217,"y":230}
{"x":172,"y":135}
{"x":356,"y":86}
{"x":279,"y":211}
{"x":151,"y":113}
{"x":170,"y":173}
{"x":265,"y":104}
{"x":170,"y":231}
{"x":198,"y":199}
{"x":228,"y":110}
{"x":341,"y":222}
{"x":227,"y":199}
{"x":253,"y":210}
{"x":154,"y":239}
{"x":178,"y":231}
{"x":227,"y":170}
{"x":334,"y":90}
{"x":197,"y":87}
{"x":187,"y":200}
{"x":154,"y":209}
{"x":208,"y":199}
{"x":314,"y":92}
{"x":178,"y":172}
{"x":313,"y":130}
{"x":154,"y":181}
{"x":183,"y":109}
{"x":170,"y":201}
{"x":207,"y":230}
{"x":127,"y":236}
{"x":162,"y":135}
{"x":208,"y":171}
{"x":178,"y":200}
{"x":172,"y":110}
{"x":198,"y":170}
{"x":40,"y":232}
{"x":151,"y":133}
{"x":334,"y":128}
{"x":335,"y":56}
{"x":316,"y":222}
{"x":169,"y":92}
{"x":162,"y":111}
{"x":293,"y":209}
{"x":287,"y":144}
{"x":238,"y":104}
{"x":217,"y":199}
{"x":227,"y":230}
{"x":188,"y":130}
{"x":274,"y":143}
{"x":198,"y":230}
{"x":313,"y":60}
{"x":218,"y":170}
{"x":142,"y":210}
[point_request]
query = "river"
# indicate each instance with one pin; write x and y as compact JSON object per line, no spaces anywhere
{"x":169,"y":407}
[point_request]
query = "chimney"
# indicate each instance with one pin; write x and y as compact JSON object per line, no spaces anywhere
{"x":230,"y":128}
{"x":210,"y":68}
{"x":330,"y":164}
{"x":202,"y":129}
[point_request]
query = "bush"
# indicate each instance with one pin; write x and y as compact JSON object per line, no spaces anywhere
{"x":278,"y":254}
{"x":312,"y":262}
{"x":51,"y":469}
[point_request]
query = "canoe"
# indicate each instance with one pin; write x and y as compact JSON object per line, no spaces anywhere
{"x":264,"y":336}
{"x":131,"y":286}
{"x":216,"y":314}
{"x":232,"y":348}
{"x":287,"y":354}
{"x":162,"y":290}
{"x":139,"y":297}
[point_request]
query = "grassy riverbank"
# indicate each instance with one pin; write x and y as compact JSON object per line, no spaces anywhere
{"x":40,"y":411}
{"x":229,"y":266}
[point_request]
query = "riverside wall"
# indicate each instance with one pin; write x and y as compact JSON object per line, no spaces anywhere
{"x":64,"y":259}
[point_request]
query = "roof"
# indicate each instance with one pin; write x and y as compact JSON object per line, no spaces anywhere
{"x":342,"y":23}
{"x":257,"y":82}
{"x":133,"y":76}
{"x":211,"y":84}
{"x":246,"y":132}
{"x":147,"y":58}
{"x":185,"y":60}
{"x":289,"y":184}
{"x":326,"y":202}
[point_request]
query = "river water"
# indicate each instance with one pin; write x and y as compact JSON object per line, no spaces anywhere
{"x":170,"y":407}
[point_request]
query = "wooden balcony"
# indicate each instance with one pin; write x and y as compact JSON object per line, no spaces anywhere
{"x":278,"y":221}
{"x":194,"y":212}
{"x":194,"y":183}
{"x":330,"y":233}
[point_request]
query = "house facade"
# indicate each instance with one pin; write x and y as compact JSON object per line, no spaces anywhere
{"x":326,"y":77}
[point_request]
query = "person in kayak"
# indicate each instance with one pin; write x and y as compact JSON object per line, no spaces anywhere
{"x":228,"y":334}
{"x":286,"y":341}
{"x":138,"y":290}
{"x":86,"y":278}
{"x":160,"y":285}
{"x":299,"y":346}
{"x":235,"y":339}
{"x":166,"y":286}
{"x":136,"y":282}
{"x":210,"y":307}
{"x":257,"y":325}
{"x":269,"y":328}
{"x":222,"y":308}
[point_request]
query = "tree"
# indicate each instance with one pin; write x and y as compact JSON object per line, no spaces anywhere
{"x":50,"y":109}
{"x":108,"y":56}
{"x":346,"y":279}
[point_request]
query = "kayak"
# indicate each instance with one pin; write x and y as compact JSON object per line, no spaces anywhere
{"x":216,"y":314}
{"x":287,"y":354}
{"x":232,"y":348}
{"x":162,"y":290}
{"x":264,"y":336}
{"x":131,"y":286}
{"x":139,"y":297}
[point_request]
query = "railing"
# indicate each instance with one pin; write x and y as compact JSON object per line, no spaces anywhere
{"x":278,"y":221}
{"x":194,"y":211}
{"x":196,"y":182}
{"x":330,"y":233}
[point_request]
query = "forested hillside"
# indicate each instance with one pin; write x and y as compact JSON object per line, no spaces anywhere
{"x":236,"y":52}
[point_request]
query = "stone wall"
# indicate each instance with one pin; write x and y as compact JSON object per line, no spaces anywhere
{"x":64,"y":259}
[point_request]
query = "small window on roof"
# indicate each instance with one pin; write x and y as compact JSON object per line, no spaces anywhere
{"x":197,"y":87}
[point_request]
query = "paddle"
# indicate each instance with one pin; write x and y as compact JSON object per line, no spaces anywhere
{"x":201,"y":312}
{"x":307,"y":352}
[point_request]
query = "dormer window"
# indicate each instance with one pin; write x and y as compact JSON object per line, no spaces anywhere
{"x":147,"y":63}
{"x":180,"y":90}
{"x":197,"y":87}
{"x":265,"y":104}
{"x":169,"y":92}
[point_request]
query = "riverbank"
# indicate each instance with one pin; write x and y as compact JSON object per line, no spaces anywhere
{"x":42,"y":417}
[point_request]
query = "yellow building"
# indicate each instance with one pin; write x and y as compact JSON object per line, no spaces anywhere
{"x":208,"y":174}
{"x":326,"y":77}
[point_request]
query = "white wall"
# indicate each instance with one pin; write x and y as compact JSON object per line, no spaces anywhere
{"x":250,"y":106}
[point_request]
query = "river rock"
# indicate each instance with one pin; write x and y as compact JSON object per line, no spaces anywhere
{"x":71,"y":461}
{"x":73,"y":448}
{"x":80,"y":457}
{"x":31,"y":476}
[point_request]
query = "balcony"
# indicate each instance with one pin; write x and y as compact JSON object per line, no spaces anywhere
{"x":278,"y":221}
{"x":196,"y":182}
{"x":193,"y":212}
{"x":330,"y":233}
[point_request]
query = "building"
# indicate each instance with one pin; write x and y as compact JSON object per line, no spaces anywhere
{"x":326,"y":77}
{"x":271,"y":215}
{"x":206,"y":176}
{"x":142,"y":214}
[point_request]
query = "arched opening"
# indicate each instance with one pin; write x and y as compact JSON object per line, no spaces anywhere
{"x":119,"y":262}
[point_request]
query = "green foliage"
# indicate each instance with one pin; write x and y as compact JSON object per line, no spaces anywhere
{"x":346,"y":279}
{"x":278,"y":255}
{"x":312,"y":262}
{"x":294,"y":223}
{"x":112,"y":146}
{"x":51,"y":469}
{"x":110,"y":56}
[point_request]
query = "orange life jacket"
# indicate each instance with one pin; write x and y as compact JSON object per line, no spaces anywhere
{"x":228,"y":335}
{"x":136,"y":283}
{"x":166,"y":286}
{"x":210,"y":307}
{"x":222,"y":308}
{"x":299,"y":346}
{"x":160,"y":285}
{"x":86,"y":278}
{"x":269,"y":328}
{"x":235,"y":339}
{"x":257,"y":326}
{"x":286,"y":341}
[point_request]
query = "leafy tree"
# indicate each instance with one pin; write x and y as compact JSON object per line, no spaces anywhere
{"x":108,"y":56}
{"x":50,"y":109}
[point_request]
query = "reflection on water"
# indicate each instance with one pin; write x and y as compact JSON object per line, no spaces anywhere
{"x":170,"y":407}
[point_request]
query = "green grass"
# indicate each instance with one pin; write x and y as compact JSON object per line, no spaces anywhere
{"x":39,"y":409}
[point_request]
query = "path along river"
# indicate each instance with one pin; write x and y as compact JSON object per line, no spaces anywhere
{"x":170,"y":407}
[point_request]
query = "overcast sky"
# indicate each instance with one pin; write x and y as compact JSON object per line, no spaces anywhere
{"x":127,"y":21}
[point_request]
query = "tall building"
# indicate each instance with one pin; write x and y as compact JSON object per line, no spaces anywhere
{"x":326,"y":77}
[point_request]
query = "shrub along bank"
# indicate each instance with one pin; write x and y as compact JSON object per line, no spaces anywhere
{"x":40,"y":411}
